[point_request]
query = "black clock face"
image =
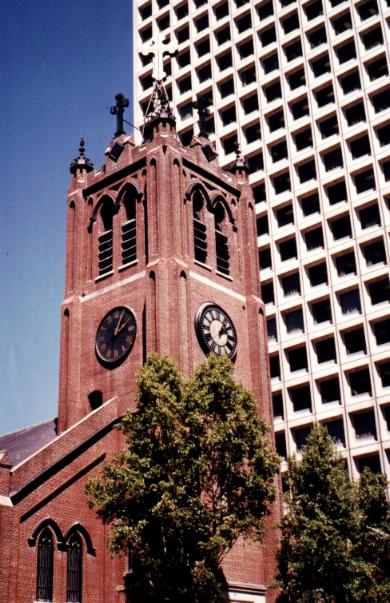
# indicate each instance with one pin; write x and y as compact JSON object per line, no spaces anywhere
{"x":115,"y":336}
{"x":215,"y":330}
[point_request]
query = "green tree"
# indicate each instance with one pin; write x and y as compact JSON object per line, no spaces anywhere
{"x":336,"y":535}
{"x":196,"y":475}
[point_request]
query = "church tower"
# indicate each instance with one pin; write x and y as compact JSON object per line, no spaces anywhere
{"x":161,"y":257}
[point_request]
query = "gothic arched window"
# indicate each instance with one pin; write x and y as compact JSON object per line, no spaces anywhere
{"x":105,"y":240}
{"x":221,"y":240}
{"x":200,"y":237}
{"x":74,"y":569}
{"x":44,"y":590}
{"x":129,"y":228}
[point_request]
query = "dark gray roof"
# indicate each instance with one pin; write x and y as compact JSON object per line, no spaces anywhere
{"x":21,"y":444}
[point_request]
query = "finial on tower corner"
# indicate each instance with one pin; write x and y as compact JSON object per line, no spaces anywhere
{"x":81,"y":162}
{"x":240,"y":164}
{"x":82,"y":147}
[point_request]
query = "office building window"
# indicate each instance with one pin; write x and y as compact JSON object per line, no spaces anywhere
{"x":294,"y":321}
{"x":300,"y":397}
{"x":350,"y":302}
{"x":360,"y":382}
{"x":364,"y":425}
{"x":330,"y":390}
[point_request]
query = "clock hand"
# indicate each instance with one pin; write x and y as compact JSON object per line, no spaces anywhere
{"x":123,"y":326}
{"x":222,"y":330}
{"x":117,"y":325}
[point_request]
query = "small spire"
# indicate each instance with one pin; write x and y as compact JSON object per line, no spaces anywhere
{"x":81,"y":162}
{"x":240,"y":164}
{"x":158,"y":110}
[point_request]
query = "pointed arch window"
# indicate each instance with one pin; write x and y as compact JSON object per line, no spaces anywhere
{"x":44,"y":591}
{"x":105,"y":240}
{"x":74,"y":570}
{"x":221,"y":240}
{"x":129,"y":229}
{"x":200,"y":237}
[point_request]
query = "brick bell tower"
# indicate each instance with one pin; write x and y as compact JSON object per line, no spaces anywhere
{"x":162,"y":257}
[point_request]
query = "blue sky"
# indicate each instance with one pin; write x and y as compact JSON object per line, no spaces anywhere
{"x":62,"y":62}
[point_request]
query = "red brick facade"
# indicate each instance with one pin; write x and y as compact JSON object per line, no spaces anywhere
{"x":164,"y":286}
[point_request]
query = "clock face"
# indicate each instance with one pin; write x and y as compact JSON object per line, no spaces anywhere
{"x":115,"y":336}
{"x":215,"y":330}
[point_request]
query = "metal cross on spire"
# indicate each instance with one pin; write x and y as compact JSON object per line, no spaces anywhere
{"x":118,"y":109}
{"x":158,"y":48}
{"x":201,"y":105}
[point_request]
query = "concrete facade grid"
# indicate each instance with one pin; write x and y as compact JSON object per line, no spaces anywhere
{"x":308,"y":96}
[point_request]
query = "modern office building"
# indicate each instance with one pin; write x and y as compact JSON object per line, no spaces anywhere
{"x":305,"y":88}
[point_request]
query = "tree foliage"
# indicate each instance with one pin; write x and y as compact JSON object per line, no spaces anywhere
{"x":196,"y":475}
{"x":336,"y":535}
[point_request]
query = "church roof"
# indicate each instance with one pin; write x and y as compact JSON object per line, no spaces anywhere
{"x":23,"y":443}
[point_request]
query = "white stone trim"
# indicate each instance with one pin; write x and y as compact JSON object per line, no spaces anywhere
{"x":210,"y":283}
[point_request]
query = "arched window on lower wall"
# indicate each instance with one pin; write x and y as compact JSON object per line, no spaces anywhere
{"x":45,"y":566}
{"x":74,"y":570}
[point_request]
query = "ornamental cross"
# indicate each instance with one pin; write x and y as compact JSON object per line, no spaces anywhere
{"x":158,"y":48}
{"x":201,"y":105}
{"x":118,"y":109}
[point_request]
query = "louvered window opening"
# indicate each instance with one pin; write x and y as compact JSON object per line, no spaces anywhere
{"x":200,"y":241}
{"x":74,"y":572}
{"x":222,"y":251}
{"x":105,"y":252}
{"x":129,"y":241}
{"x":45,"y":568}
